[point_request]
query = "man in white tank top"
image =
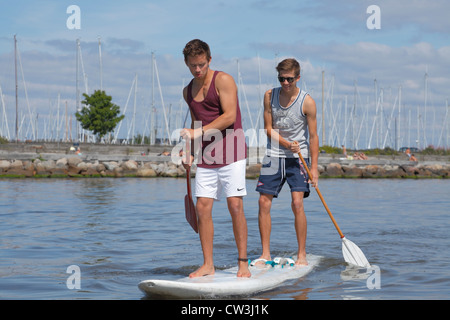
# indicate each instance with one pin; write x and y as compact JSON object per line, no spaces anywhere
{"x":291,"y":126}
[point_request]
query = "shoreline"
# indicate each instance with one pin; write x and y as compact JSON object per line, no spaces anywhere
{"x":57,"y":160}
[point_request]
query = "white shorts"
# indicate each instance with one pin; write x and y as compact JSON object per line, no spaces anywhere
{"x":216,"y":182}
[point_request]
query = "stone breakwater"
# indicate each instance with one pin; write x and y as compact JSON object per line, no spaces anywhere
{"x":76,"y":166}
{"x":337,"y":170}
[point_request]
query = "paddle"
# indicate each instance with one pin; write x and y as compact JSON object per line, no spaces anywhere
{"x":189,"y":207}
{"x":352,"y":253}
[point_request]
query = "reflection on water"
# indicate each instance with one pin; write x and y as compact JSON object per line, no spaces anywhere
{"x":122,"y":231}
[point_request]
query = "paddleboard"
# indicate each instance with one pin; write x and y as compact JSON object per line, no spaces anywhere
{"x":225,"y":283}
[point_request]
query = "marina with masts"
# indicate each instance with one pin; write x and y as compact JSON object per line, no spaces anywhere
{"x":376,"y":120}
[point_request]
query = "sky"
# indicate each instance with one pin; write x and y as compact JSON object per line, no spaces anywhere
{"x":385,"y":72}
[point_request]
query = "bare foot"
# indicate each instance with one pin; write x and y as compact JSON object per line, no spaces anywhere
{"x":202,"y":271}
{"x":301,"y":261}
{"x":243,"y":271}
{"x":262,"y":260}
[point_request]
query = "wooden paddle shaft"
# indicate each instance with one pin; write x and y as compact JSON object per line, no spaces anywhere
{"x":321,"y":197}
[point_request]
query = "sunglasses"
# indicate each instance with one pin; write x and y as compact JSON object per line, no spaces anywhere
{"x":289,"y":79}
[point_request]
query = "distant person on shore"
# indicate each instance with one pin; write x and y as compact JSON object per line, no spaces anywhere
{"x":411,"y":156}
{"x":344,"y":151}
{"x":408,"y":153}
{"x":360,"y":156}
{"x":216,"y":126}
{"x":291,"y":127}
{"x":164,"y":153}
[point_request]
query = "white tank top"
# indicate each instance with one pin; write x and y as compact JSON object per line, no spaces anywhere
{"x":290,"y":122}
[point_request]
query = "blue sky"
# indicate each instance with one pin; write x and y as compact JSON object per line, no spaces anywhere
{"x":253,"y":36}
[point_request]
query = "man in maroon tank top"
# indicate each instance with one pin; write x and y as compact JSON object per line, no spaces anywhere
{"x":221,"y":157}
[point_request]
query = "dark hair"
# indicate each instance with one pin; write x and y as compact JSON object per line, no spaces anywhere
{"x":289,"y":65}
{"x":196,"y":47}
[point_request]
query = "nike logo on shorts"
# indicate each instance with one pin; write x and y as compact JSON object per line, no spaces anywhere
{"x":240,"y":189}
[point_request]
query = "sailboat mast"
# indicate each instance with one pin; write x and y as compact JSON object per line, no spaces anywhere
{"x":100,"y":62}
{"x":77,"y":107}
{"x":17,"y":89}
{"x":323,"y":111}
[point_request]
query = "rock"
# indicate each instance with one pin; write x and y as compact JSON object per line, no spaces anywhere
{"x":19,"y":168}
{"x":394,"y":171}
{"x":410,"y":171}
{"x":28,"y":164}
{"x":118,"y":172}
{"x":253,"y":171}
{"x":370,"y":171}
{"x":333,"y":170}
{"x":4,"y":165}
{"x":320,"y":169}
{"x":74,"y":161}
{"x":424,"y":171}
{"x":110,"y":166}
{"x":16,"y":164}
{"x":437,"y":170}
{"x":352,"y":171}
{"x":48,"y":164}
{"x":91,"y":169}
{"x":145,"y":172}
{"x":129,"y":165}
{"x":83,"y":166}
{"x":100,"y":167}
{"x":170,"y":171}
{"x":159,"y":168}
{"x":61,"y":163}
{"x":44,"y":167}
{"x":181,"y":171}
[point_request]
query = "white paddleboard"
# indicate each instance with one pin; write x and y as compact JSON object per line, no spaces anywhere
{"x":225,"y":283}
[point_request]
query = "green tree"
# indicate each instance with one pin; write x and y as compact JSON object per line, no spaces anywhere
{"x":100,"y":115}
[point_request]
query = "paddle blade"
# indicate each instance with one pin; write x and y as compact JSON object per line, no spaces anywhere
{"x":353,"y":254}
{"x":191,"y":213}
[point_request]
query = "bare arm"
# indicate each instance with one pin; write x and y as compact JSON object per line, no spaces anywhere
{"x":227,"y":91}
{"x":309,"y":109}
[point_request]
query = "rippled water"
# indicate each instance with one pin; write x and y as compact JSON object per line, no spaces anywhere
{"x":122,"y":231}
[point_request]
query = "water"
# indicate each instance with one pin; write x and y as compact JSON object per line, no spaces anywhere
{"x":122,"y":231}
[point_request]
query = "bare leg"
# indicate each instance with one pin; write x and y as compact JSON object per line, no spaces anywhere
{"x":206,"y":233}
{"x":300,"y":226}
{"x":265,"y":224}
{"x":236,"y":208}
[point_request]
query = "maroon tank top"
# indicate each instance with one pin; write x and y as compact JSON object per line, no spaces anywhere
{"x":223,"y":147}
